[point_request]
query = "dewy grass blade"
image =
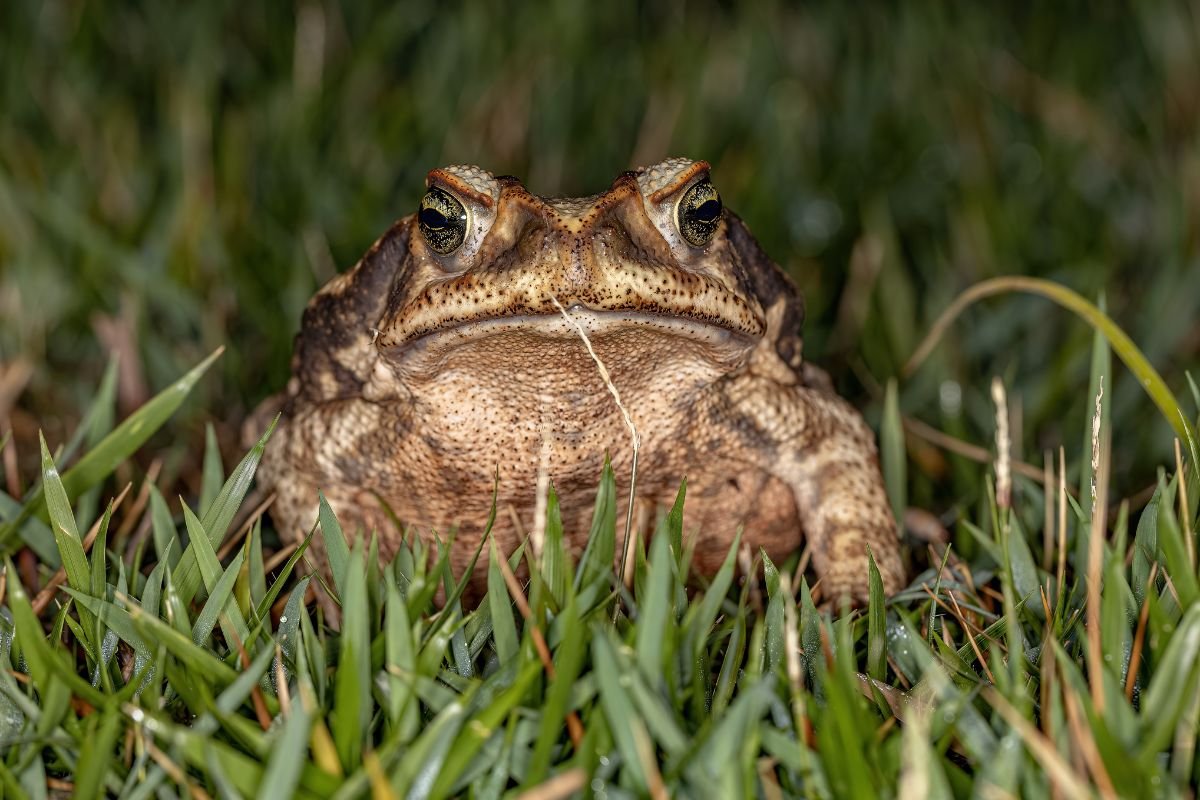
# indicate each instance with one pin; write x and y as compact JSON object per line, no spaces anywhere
{"x":477,"y":731}
{"x":163,"y":529}
{"x":96,"y":754}
{"x":706,"y":614}
{"x":218,"y":599}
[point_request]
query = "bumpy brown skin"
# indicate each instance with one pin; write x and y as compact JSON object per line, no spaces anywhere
{"x":419,"y":377}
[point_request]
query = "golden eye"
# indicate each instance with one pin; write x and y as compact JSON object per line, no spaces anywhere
{"x":443,"y":220}
{"x":699,"y":213}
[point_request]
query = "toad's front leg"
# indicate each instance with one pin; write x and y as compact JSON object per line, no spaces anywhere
{"x":823,"y":450}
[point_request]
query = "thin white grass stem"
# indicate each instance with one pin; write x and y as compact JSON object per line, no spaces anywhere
{"x":633,"y":432}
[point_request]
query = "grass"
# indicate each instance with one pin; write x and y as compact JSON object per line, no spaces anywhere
{"x":168,"y":664}
{"x":174,"y":182}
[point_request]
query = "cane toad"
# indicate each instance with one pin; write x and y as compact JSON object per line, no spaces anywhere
{"x":445,"y":360}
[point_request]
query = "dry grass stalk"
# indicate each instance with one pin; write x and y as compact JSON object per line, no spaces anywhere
{"x":635,"y":438}
{"x":1003,"y":447}
{"x":1095,"y":556}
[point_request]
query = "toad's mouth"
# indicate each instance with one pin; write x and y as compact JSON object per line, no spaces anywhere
{"x":560,"y":339}
{"x":471,"y":306}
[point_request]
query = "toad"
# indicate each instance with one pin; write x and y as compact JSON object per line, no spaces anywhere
{"x":461,"y":354}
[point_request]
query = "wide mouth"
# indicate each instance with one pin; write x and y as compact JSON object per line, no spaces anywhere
{"x":707,"y":338}
{"x":482,"y":303}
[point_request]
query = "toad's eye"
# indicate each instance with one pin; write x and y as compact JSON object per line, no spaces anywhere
{"x":699,"y":213}
{"x":443,"y":220}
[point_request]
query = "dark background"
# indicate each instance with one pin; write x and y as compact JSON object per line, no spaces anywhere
{"x":178,"y":176}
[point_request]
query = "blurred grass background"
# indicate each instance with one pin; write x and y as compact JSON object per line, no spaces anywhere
{"x":174,"y":177}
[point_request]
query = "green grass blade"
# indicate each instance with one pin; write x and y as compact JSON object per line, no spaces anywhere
{"x":96,"y":754}
{"x":402,"y":704}
{"x":421,"y":763}
{"x":1176,"y":676}
{"x":893,"y":455}
{"x":1145,"y":547}
{"x":212,"y":474}
{"x":352,"y":682}
{"x":66,"y":534}
{"x":288,"y":754}
{"x":219,"y":515}
{"x":475,"y":733}
{"x":336,"y":548}
{"x":596,"y":562}
{"x":503,"y":626}
{"x":706,"y":613}
{"x":623,"y":720}
{"x":99,"y":462}
{"x":166,"y":538}
{"x":568,"y":662}
{"x":220,"y":597}
{"x":556,"y":564}
{"x":654,"y":611}
{"x":1148,"y":378}
{"x":876,"y":624}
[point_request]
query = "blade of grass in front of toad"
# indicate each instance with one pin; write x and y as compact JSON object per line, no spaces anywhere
{"x":555,"y":563}
{"x":352,"y":708}
{"x":596,"y":562}
{"x":289,"y":752}
{"x":414,"y":776}
{"x":706,"y":612}
{"x":219,"y":515}
{"x":623,"y":720}
{"x":337,"y":551}
{"x":568,"y":662}
{"x":403,"y":708}
{"x":654,"y":609}
{"x":504,"y":628}
{"x":478,"y":730}
{"x":233,"y":624}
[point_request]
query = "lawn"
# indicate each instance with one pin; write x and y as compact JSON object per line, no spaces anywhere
{"x":175,"y":183}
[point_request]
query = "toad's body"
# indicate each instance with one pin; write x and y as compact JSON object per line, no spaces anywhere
{"x":442,"y":360}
